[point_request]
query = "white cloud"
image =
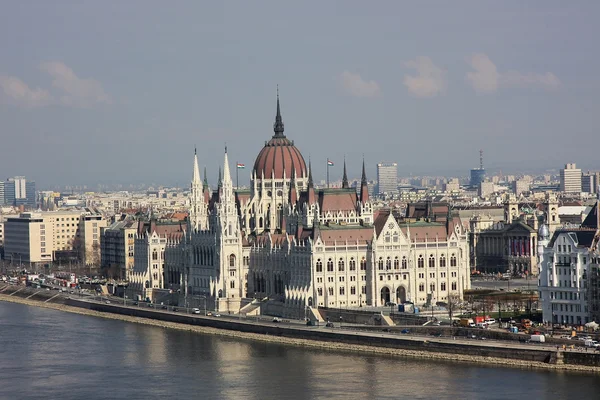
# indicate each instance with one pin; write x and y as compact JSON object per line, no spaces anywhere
{"x":69,"y":89}
{"x":354,"y":85}
{"x":487,"y":79}
{"x":15,"y":91}
{"x":429,"y":81}
{"x":77,"y":92}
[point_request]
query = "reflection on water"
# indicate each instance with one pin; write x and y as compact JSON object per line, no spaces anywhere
{"x":50,"y":354}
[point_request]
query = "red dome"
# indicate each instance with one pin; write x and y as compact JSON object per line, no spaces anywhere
{"x":279,"y":155}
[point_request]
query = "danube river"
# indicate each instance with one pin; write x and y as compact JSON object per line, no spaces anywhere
{"x":57,"y":355}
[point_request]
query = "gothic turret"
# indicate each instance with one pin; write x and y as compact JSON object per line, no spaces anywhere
{"x":198,"y":218}
{"x":345,"y":184}
{"x":364,"y":189}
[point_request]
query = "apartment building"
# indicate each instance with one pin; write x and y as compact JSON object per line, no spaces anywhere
{"x":39,"y":237}
{"x":118,"y":246}
{"x":570,"y":179}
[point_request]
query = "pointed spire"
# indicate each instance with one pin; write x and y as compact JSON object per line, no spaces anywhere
{"x":278,"y":125}
{"x":293,"y":194}
{"x":220,"y":178}
{"x":364,"y":189}
{"x":226,"y":175}
{"x":311,"y":187}
{"x":345,"y":184}
{"x":310,"y":178}
{"x":205,"y":183}
{"x":196,"y":175}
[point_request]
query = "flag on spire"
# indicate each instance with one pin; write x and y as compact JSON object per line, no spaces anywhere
{"x":240,"y":166}
{"x":329,"y":163}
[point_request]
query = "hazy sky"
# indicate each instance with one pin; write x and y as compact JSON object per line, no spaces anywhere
{"x":121,"y":91}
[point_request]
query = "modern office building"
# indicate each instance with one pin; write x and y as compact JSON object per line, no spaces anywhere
{"x":1,"y":193}
{"x":118,"y":246}
{"x":387,"y":178}
{"x":520,"y":186}
{"x":36,"y":237}
{"x":590,"y":182}
{"x":18,"y":191}
{"x":478,"y":174}
{"x":570,"y":179}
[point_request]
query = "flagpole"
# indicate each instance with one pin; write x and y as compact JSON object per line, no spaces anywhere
{"x":328,"y":173}
{"x":237,"y":175}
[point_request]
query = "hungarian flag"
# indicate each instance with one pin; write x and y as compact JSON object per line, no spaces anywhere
{"x":240,"y":166}
{"x":329,"y":163}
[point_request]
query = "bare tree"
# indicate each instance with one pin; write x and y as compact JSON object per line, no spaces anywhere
{"x":453,"y":302}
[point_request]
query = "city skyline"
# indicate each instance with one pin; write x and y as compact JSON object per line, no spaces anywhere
{"x":121,"y":93}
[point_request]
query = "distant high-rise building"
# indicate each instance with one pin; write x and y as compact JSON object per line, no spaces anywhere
{"x":478,"y":174}
{"x":590,"y":182}
{"x":1,"y":193}
{"x":485,"y":189}
{"x":19,"y":191}
{"x":387,"y":177}
{"x":570,"y":179}
{"x":520,"y":185}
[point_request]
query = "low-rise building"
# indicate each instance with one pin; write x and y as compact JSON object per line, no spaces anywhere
{"x":118,"y":247}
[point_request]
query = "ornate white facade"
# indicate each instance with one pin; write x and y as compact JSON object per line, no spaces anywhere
{"x":298,"y":246}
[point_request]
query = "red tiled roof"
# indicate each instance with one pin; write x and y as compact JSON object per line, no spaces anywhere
{"x":335,"y":200}
{"x":360,"y":235}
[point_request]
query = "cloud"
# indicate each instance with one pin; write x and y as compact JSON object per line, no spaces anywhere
{"x":17,"y":92}
{"x":69,"y":89}
{"x":76,"y":92}
{"x":487,"y":79}
{"x":429,"y":81}
{"x":354,"y":85}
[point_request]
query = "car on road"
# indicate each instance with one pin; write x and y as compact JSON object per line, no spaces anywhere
{"x":175,"y":309}
{"x":195,"y":311}
{"x":216,"y":315}
{"x":405,"y":331}
{"x":276,"y":319}
{"x":107,"y":301}
{"x":329,"y":325}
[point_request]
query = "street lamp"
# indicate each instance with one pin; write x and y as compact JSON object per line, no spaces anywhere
{"x":341,"y":320}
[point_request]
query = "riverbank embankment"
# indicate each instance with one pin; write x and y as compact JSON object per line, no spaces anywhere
{"x":422,"y":348}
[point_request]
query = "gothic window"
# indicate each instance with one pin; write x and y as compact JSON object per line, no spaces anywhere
{"x":341,"y":265}
{"x":380,"y":263}
{"x":404,"y":262}
{"x":352,"y":264}
{"x":453,"y":260}
{"x":388,"y":264}
{"x":363,"y":264}
{"x":319,"y":265}
{"x":396,"y":262}
{"x":260,"y":222}
{"x":387,"y":237}
{"x":443,"y":286}
{"x":154,"y":255}
{"x":353,"y":290}
{"x":421,"y":287}
{"x":232,"y":284}
{"x":431,"y":261}
{"x":420,"y":261}
{"x":320,"y":291}
{"x":331,"y":291}
{"x":443,"y":261}
{"x":432,"y":287}
{"x":330,"y":265}
{"x":232,"y":260}
{"x":395,"y":238}
{"x":453,"y":285}
{"x":363,"y":290}
{"x":342,"y":290}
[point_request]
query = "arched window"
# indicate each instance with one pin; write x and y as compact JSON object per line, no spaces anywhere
{"x":380,"y":263}
{"x":421,"y":287}
{"x":453,"y":285}
{"x":453,"y":260}
{"x":330,"y":265}
{"x":387,"y":237}
{"x":432,"y":287}
{"x":260,"y":222}
{"x":396,"y":263}
{"x":443,"y":286}
{"x":420,"y":261}
{"x":154,"y":255}
{"x":363,"y":264}
{"x":431,"y":261}
{"x":341,"y":265}
{"x":232,"y":260}
{"x":404,"y":262}
{"x":319,"y":265}
{"x":395,"y":237}
{"x":442,"y":261}
{"x":388,"y":264}
{"x":352,"y":264}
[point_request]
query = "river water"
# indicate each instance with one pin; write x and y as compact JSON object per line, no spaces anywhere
{"x":57,"y":355}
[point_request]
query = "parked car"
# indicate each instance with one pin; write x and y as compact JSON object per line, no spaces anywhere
{"x":329,"y":325}
{"x":276,"y":319}
{"x":405,"y":331}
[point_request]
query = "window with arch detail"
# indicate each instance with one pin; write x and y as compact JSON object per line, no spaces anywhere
{"x":442,"y":261}
{"x":404,"y":262}
{"x":330,"y":265}
{"x":453,"y":260}
{"x":352,"y":264}
{"x":396,"y":263}
{"x":380,"y":263}
{"x":341,"y":265}
{"x":388,"y":264}
{"x":232,"y":260}
{"x":431,"y":261}
{"x":363,"y":264}
{"x":420,"y":261}
{"x":319,"y":265}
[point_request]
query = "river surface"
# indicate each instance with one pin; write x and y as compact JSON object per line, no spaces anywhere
{"x":48,"y":354}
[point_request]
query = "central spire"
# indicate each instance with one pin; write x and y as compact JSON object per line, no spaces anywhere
{"x":278,"y":125}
